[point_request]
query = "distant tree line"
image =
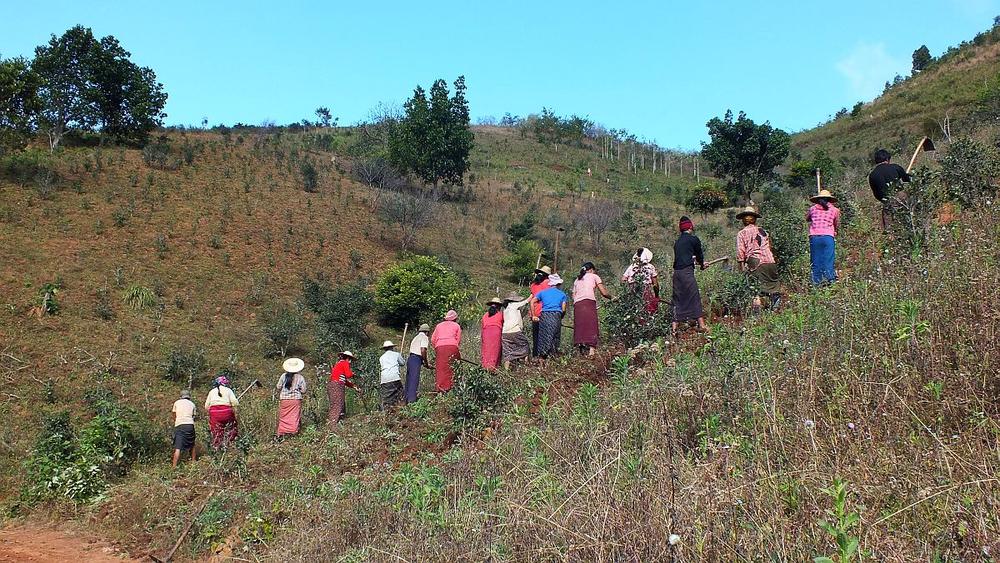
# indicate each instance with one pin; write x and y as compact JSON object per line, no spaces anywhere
{"x":77,"y":83}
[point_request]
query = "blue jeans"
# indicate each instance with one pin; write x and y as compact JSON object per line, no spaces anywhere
{"x":822,"y":254}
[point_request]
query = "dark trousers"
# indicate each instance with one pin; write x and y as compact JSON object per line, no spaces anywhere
{"x":534,"y":338}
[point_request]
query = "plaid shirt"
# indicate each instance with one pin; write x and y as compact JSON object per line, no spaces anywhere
{"x":297,"y":390}
{"x":753,"y":242}
{"x":823,"y":221}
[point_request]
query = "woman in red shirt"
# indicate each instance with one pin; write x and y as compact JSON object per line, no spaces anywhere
{"x":340,"y":377}
{"x":492,"y":327}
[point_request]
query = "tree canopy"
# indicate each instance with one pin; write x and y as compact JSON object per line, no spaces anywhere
{"x":88,"y":84}
{"x":743,"y":151}
{"x":921,"y":58}
{"x":19,"y":102}
{"x":433,"y":140}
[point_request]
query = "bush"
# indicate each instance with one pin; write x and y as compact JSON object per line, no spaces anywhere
{"x":341,"y":313}
{"x":157,"y":154}
{"x":310,"y":178}
{"x":280,"y":326}
{"x":707,"y":197}
{"x":421,"y":288}
{"x":477,"y":393}
{"x":784,"y":221}
{"x":184,"y":364}
{"x":520,"y":264}
{"x":969,"y":171}
{"x":627,"y":321}
{"x":729,"y":291}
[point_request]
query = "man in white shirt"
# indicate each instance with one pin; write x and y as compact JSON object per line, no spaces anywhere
{"x":183,"y":415}
{"x":389,"y":384}
{"x":418,"y":358}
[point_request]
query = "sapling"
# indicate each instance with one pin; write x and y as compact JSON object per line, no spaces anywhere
{"x":839,"y":523}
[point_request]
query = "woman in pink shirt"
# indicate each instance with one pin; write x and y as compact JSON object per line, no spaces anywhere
{"x":824,"y":220}
{"x":586,"y":330}
{"x":445,"y":339}
{"x":491,"y":327}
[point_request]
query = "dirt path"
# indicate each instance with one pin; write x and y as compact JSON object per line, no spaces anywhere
{"x":27,"y":543}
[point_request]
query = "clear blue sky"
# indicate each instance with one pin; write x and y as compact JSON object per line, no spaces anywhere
{"x":660,"y":69}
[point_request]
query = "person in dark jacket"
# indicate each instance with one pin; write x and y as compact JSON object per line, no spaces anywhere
{"x":884,"y":180}
{"x":686,"y":299}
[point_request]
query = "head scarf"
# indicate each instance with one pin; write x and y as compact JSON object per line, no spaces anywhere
{"x":644,"y":255}
{"x":686,"y":224}
{"x":555,"y":280}
{"x":222,"y":380}
{"x":451,"y":315}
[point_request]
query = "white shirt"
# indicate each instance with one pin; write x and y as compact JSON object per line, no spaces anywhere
{"x":183,"y":412}
{"x":419,"y":341}
{"x":221,"y":395}
{"x":512,"y":321}
{"x":390,"y":362}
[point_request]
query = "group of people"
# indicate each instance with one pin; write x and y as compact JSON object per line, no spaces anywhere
{"x":503,"y":339}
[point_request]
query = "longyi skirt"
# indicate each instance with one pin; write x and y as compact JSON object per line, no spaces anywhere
{"x":586,"y":331}
{"x":686,"y":298}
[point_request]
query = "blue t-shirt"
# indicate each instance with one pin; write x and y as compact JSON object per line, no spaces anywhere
{"x":552,"y":299}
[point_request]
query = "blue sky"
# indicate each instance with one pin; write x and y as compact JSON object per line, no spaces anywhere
{"x":659,"y":69}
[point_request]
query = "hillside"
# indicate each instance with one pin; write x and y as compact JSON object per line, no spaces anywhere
{"x":918,"y":106}
{"x":863,"y":414}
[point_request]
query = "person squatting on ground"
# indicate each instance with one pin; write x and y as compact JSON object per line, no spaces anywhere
{"x":184,"y":439}
{"x":641,"y":278}
{"x":586,"y":329}
{"x":755,"y":257}
{"x":390,"y":387}
{"x":686,"y":299}
{"x":340,"y":379}
{"x":491,"y":327}
{"x":417,"y":358}
{"x":824,"y":221}
{"x":446,"y":340}
{"x":885,"y":179}
{"x":291,"y":386}
{"x":539,"y":283}
{"x":221,"y":405}
{"x":553,"y":309}
{"x":515,"y":345}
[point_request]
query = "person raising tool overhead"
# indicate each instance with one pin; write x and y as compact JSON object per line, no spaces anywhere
{"x":885,"y":181}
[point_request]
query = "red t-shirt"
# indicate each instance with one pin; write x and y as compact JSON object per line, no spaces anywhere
{"x":496,"y":320}
{"x":341,"y":372}
{"x":536,"y":309}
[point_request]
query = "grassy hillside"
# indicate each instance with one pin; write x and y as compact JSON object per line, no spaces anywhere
{"x":898,"y":118}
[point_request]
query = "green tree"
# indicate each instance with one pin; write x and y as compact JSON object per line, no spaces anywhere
{"x":421,"y":289}
{"x":88,"y":84}
{"x":19,"y":103}
{"x":856,"y":110}
{"x":802,"y":173}
{"x":433,"y":141}
{"x":520,"y":264}
{"x":921,"y":58}
{"x":326,"y":118}
{"x":524,"y":230}
{"x":743,"y":151}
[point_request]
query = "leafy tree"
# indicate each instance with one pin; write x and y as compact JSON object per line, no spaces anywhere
{"x":802,"y":173}
{"x":546,"y":126}
{"x":921,"y":58}
{"x":88,"y":83}
{"x":520,"y":264}
{"x":856,"y":110}
{"x":421,"y":289}
{"x":988,"y":100}
{"x":326,"y":118}
{"x":707,"y":198}
{"x":433,"y":141}
{"x":743,"y":151}
{"x":19,"y":103}
{"x":524,"y":230}
{"x":341,"y":313}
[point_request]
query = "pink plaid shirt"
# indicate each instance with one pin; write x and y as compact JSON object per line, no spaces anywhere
{"x":823,"y":222}
{"x":747,"y":245}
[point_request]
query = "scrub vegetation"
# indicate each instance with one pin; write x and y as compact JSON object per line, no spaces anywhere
{"x":858,"y":421}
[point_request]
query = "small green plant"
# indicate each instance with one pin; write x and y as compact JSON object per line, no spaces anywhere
{"x":911,"y":327}
{"x":935,"y":388}
{"x":839,"y":523}
{"x":586,"y":408}
{"x":102,"y":307}
{"x":47,"y":302}
{"x":419,"y":410}
{"x":139,"y":298}
{"x":310,"y":177}
{"x":211,"y":523}
{"x":183,"y":364}
{"x":477,"y":394}
{"x":160,"y":244}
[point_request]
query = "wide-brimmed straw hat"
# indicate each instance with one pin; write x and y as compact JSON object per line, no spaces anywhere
{"x":348,"y":354}
{"x":494,"y":301}
{"x":823,"y":194}
{"x":424,"y":328}
{"x":513,"y":296}
{"x":388,"y":344}
{"x":293,"y":365}
{"x":555,"y":280}
{"x":748,"y":210}
{"x":544,"y":270}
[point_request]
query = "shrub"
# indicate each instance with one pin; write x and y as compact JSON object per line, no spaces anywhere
{"x":47,"y":302}
{"x":913,"y":218}
{"x":784,"y":222}
{"x":477,"y":393}
{"x":628,"y":322}
{"x":341,"y":312}
{"x":103,"y":308}
{"x":706,"y":197}
{"x":25,"y":166}
{"x":310,"y":177}
{"x":524,"y":230}
{"x":729,"y":291}
{"x":280,"y":325}
{"x":520,"y":264}
{"x":969,"y":171}
{"x":184,"y":363}
{"x":157,"y":154}
{"x":420,"y":288}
